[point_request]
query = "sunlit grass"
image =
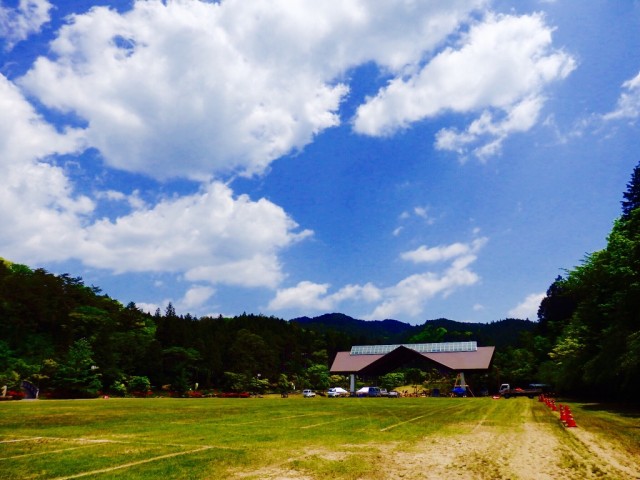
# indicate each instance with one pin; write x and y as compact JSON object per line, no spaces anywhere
{"x":218,"y":438}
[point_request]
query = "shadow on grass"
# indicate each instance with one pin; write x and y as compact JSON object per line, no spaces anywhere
{"x":629,"y":410}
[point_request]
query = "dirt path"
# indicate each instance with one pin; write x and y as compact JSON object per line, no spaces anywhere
{"x":536,"y":452}
{"x":539,"y":450}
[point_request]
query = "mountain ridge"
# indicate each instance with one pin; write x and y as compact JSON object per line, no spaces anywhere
{"x":500,"y":333}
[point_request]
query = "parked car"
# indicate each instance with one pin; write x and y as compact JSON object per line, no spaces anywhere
{"x":337,"y":392}
{"x":308,"y":393}
{"x":383,"y":392}
{"x":368,"y":392}
{"x":393,"y":394}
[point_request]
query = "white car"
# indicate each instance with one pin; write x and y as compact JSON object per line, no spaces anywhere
{"x":308,"y":393}
{"x":337,"y":392}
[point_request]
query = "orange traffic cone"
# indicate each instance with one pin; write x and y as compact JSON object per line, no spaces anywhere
{"x":570,"y":421}
{"x":564,"y":413}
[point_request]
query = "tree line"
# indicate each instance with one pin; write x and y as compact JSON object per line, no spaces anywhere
{"x":71,"y":340}
{"x":590,"y":318}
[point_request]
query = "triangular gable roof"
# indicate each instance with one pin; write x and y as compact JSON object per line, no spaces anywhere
{"x":346,"y":363}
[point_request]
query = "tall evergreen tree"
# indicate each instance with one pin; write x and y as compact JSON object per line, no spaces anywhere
{"x":632,"y":195}
{"x":77,"y":376}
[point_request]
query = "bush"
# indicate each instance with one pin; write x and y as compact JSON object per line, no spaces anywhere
{"x":118,"y":389}
{"x":139,"y":385}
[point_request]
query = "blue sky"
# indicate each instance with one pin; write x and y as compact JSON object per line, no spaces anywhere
{"x":384,"y":159}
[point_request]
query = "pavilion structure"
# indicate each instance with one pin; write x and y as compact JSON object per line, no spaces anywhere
{"x":376,"y":360}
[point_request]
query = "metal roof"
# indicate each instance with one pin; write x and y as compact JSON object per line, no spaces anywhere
{"x":418,"y":347}
{"x":375,"y":364}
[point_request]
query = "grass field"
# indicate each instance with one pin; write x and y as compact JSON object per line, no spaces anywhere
{"x":296,"y":438}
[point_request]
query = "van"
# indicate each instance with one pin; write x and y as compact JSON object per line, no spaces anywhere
{"x":368,"y":392}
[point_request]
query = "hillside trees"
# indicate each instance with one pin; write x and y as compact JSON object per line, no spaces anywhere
{"x":596,"y":349}
{"x":53,"y":327}
{"x":77,"y":376}
{"x":632,"y":194}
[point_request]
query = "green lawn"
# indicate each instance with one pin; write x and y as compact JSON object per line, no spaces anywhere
{"x":223,"y":438}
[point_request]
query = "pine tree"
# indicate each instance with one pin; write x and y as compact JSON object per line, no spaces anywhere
{"x":632,"y":195}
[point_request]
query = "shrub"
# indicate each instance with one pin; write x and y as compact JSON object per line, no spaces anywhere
{"x":139,"y":384}
{"x":118,"y":388}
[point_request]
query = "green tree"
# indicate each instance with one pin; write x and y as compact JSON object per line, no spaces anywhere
{"x":632,"y":195}
{"x":556,"y":308}
{"x":139,"y":385}
{"x":284,"y":384}
{"x":318,"y":376}
{"x":236,"y":382}
{"x":251,"y":355}
{"x":392,"y":380}
{"x":414,"y":376}
{"x":77,"y":376}
{"x":258,"y":384}
{"x":595,"y":350}
{"x":429,"y":334}
{"x":179,"y":364}
{"x":339,"y":381}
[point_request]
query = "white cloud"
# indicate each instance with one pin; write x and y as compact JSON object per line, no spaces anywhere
{"x":520,"y":118}
{"x":307,"y":295}
{"x":528,"y":308}
{"x":195,"y":297}
{"x":210,"y":236}
{"x":39,"y":208}
{"x":628,"y":105}
{"x":424,"y":254}
{"x":133,"y":199}
{"x":204,"y":89}
{"x":313,"y":296}
{"x":512,"y":63}
{"x":423,"y":213}
{"x":190,"y":88}
{"x":407,"y":297}
{"x":16,"y":24}
{"x":147,"y":307}
{"x":410,"y":295}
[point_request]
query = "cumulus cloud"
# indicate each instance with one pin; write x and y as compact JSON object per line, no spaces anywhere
{"x":313,"y":296}
{"x":425,"y":254}
{"x":528,"y":308}
{"x":204,"y":90}
{"x":512,"y":61}
{"x":195,"y":297}
{"x":190,"y":88}
{"x":211,"y":236}
{"x":40,"y":211}
{"x":16,"y":24}
{"x":520,"y":118}
{"x":628,"y":105}
{"x":408,"y":297}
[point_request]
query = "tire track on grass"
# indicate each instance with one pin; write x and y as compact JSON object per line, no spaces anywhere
{"x":133,"y":464}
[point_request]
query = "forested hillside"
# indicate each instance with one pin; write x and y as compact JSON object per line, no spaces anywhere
{"x":73,"y":341}
{"x":501,"y":333}
{"x":591,"y":318}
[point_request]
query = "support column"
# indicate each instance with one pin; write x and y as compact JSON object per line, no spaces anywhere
{"x":352,"y":384}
